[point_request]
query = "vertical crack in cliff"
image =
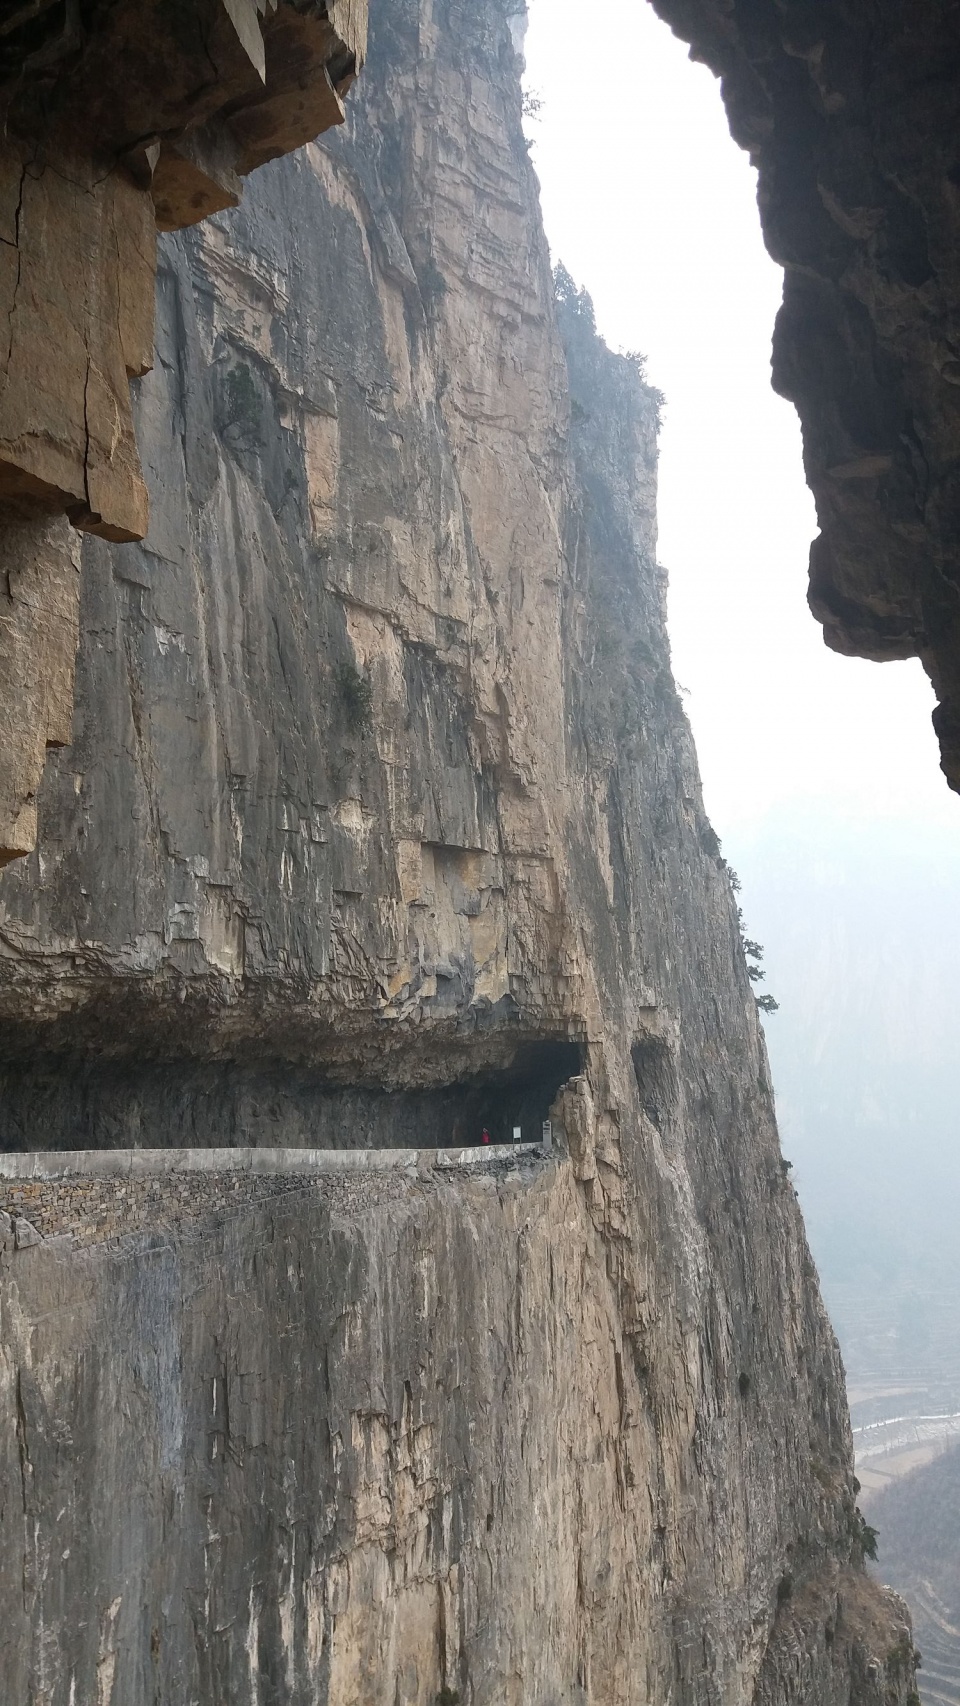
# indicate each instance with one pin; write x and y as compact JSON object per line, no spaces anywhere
{"x":22,"y":1441}
{"x":142,"y":750}
{"x":86,"y":434}
{"x":16,"y":283}
{"x":23,"y":1456}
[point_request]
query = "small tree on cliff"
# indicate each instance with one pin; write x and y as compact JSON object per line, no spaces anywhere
{"x":569,"y":296}
{"x":753,"y":952}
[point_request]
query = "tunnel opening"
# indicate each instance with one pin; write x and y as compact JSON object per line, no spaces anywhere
{"x":57,"y":1104}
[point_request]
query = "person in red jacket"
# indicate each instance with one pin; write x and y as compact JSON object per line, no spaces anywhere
{"x":484,"y":1136}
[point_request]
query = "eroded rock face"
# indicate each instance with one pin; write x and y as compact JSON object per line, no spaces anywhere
{"x":118,"y":117}
{"x":851,"y":115}
{"x":382,"y":1444}
{"x":379,"y":778}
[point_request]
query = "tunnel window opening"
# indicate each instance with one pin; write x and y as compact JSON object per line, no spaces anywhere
{"x":84,"y":1104}
{"x":519,"y":1098}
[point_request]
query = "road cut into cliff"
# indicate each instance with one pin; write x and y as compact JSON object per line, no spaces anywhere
{"x":382,"y":811}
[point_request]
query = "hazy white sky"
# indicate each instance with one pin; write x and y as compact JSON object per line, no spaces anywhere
{"x":652,"y":207}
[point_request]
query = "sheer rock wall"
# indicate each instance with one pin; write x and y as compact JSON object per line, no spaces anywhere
{"x":379,"y":774}
{"x":387,"y":1441}
{"x":851,"y":112}
{"x":117,"y":117}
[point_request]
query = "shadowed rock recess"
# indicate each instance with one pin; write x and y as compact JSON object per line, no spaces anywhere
{"x":851,"y":112}
{"x":381,"y":810}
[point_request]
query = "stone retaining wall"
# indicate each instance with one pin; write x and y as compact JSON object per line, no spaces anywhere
{"x":93,"y":1197}
{"x":148,"y":1163}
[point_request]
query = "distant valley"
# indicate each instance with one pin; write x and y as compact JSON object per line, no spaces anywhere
{"x":862,"y":937}
{"x":918,"y":1518}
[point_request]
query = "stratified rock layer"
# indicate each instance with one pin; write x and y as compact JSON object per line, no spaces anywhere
{"x":116,"y":118}
{"x":126,"y":116}
{"x":380,"y":782}
{"x":851,"y":114}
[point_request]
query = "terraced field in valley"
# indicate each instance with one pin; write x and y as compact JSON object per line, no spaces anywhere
{"x":918,"y":1520}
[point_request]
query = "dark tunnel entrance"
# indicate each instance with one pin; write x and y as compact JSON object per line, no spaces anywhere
{"x":61,"y":1104}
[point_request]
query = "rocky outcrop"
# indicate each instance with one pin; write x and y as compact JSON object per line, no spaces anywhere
{"x":850,"y":115}
{"x":840,"y":1639}
{"x":381,"y":786}
{"x":117,"y":118}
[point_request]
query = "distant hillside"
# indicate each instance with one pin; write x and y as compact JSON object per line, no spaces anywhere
{"x":861,"y":928}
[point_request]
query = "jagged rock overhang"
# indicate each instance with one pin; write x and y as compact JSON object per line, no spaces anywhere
{"x":118,"y":117}
{"x":851,"y":116}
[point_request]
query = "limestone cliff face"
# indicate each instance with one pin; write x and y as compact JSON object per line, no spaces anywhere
{"x":117,"y":118}
{"x":380,"y":802}
{"x":376,"y":1446}
{"x":850,"y":113}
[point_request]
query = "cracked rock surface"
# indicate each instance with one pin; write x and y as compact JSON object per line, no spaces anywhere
{"x":117,"y":117}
